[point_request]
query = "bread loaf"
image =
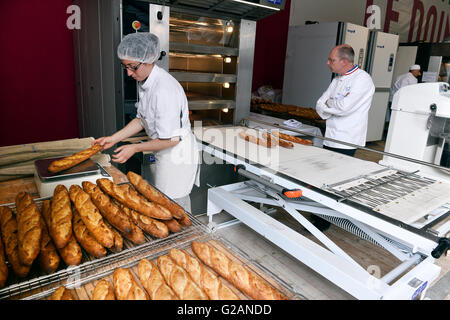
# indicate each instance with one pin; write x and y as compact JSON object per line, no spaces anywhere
{"x":73,"y":160}
{"x":91,"y":216}
{"x":8,"y":226}
{"x":29,"y":230}
{"x":60,"y":227}
{"x":179,"y":280}
{"x":214,"y":287}
{"x":71,"y":253}
{"x":173,"y":225}
{"x":153,"y":281}
{"x":48,"y":256}
{"x":242,"y":278}
{"x":255,"y":140}
{"x":103,"y":291}
{"x":85,"y":239}
{"x":281,"y":142}
{"x":62,"y":293}
{"x":292,"y":138}
{"x":125,"y":287}
{"x":141,"y":222}
{"x":118,"y":240}
{"x":3,"y":266}
{"x":152,"y":194}
{"x":132,"y":199}
{"x":108,"y":210}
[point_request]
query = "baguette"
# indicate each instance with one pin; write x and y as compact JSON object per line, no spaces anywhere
{"x":153,"y":282}
{"x":205,"y":279}
{"x":8,"y":226}
{"x":103,"y":291}
{"x":73,"y":160}
{"x":281,"y":142}
{"x":60,"y":226}
{"x":152,"y":194}
{"x":91,"y":216}
{"x":3,"y":266}
{"x":292,"y":138}
{"x":85,"y":239}
{"x":62,"y":293}
{"x":132,"y":199}
{"x":118,"y":240}
{"x":241,"y":277}
{"x":141,"y":222}
{"x":179,"y":280}
{"x":125,"y":287}
{"x":108,"y":210}
{"x":71,"y":253}
{"x":255,"y":140}
{"x":173,"y":225}
{"x":29,"y":230}
{"x":48,"y":257}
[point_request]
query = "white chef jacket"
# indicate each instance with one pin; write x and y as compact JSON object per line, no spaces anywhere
{"x":402,"y":81}
{"x":164,"y":114}
{"x":348,"y":101}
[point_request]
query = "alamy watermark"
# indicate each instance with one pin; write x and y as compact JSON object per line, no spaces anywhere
{"x":73,"y":22}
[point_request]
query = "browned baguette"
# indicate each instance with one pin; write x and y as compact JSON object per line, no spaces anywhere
{"x":151,"y":226}
{"x":48,"y":257}
{"x":292,"y":138}
{"x":125,"y":287}
{"x":245,"y":280}
{"x":173,"y":225}
{"x":71,"y":253}
{"x":8,"y":225}
{"x":132,"y":199}
{"x":109,"y":210}
{"x":118,"y":240}
{"x":255,"y":140}
{"x":153,"y":281}
{"x":179,"y":280}
{"x":62,"y":293}
{"x":73,"y":160}
{"x":91,"y":216}
{"x":3,"y":266}
{"x":29,"y":230}
{"x":84,"y":238}
{"x":281,"y":142}
{"x":60,"y":227}
{"x":154,"y":195}
{"x":214,"y":287}
{"x":103,"y":291}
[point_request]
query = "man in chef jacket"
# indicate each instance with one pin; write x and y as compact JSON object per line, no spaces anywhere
{"x":345,"y":104}
{"x":402,"y":81}
{"x":345,"y":107}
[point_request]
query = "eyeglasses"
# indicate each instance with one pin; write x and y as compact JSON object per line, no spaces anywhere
{"x":332,"y":60}
{"x":132,"y":68}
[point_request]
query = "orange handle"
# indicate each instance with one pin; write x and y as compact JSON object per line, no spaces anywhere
{"x":293,"y":193}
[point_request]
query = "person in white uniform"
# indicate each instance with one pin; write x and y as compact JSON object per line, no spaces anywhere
{"x":402,"y":81}
{"x":162,"y":111}
{"x":345,"y":104}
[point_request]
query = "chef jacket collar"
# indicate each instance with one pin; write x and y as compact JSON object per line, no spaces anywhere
{"x":146,"y":84}
{"x":352,"y":70}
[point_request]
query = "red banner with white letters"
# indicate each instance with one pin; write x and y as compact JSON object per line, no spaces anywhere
{"x":412,"y":20}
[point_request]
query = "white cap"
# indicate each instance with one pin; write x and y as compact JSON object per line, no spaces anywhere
{"x":414,"y":67}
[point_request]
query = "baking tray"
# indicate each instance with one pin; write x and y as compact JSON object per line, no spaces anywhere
{"x":84,"y":284}
{"x":86,"y":167}
{"x":36,"y":280}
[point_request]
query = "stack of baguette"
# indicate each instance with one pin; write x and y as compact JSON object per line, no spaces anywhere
{"x":181,"y":276}
{"x":95,"y":217}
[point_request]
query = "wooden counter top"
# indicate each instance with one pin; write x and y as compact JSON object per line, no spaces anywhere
{"x":9,"y":189}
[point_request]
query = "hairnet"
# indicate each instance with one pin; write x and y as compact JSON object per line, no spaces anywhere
{"x":140,"y":47}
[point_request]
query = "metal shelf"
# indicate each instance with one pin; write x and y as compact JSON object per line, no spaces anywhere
{"x":203,"y":77}
{"x":202,"y":49}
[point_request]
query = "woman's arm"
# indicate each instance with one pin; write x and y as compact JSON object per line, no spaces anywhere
{"x":125,"y":152}
{"x":133,"y":127}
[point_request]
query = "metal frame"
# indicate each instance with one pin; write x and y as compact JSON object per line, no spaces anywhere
{"x":331,"y":262}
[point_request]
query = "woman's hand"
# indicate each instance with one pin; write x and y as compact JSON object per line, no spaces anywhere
{"x":105,"y":142}
{"x":125,"y":152}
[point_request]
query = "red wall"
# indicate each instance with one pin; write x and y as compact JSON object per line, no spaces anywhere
{"x":270,"y":49}
{"x":37,"y":77}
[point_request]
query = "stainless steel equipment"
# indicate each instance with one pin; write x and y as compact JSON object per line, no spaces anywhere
{"x":195,"y":43}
